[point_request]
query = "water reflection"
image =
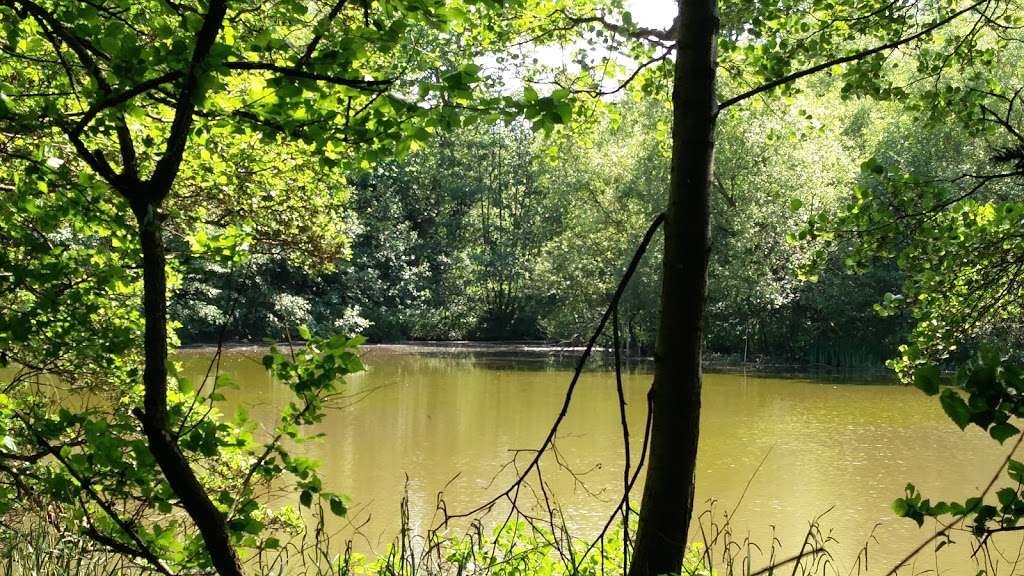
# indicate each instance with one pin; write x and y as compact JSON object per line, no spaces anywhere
{"x":450,"y":423}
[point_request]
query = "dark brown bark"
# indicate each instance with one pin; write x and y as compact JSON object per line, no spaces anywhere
{"x":667,"y":503}
{"x":164,"y":447}
{"x":145,"y":199}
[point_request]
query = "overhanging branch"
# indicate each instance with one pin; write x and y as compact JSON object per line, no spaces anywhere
{"x":292,"y":72}
{"x":635,"y":32}
{"x":119,"y":98}
{"x":167,"y":167}
{"x":848,"y":58}
{"x":322,"y":25}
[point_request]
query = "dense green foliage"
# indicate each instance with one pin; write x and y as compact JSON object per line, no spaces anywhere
{"x":501,"y":233}
{"x":221,"y":135}
{"x":944,"y":222}
{"x":355,"y":167}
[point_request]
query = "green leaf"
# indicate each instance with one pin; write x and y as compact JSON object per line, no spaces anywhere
{"x":1007,"y":496}
{"x":304,"y":332}
{"x":926,"y":378}
{"x":306,"y":498}
{"x":906,"y":509}
{"x":795,"y":204}
{"x":955,"y":408}
{"x":337,"y":505}
{"x":1003,"y":431}
{"x":1015,"y":470}
{"x":564,"y":111}
{"x":253,"y":526}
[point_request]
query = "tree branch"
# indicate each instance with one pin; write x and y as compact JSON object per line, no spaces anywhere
{"x":103,"y":504}
{"x":949,"y":526}
{"x":512,"y":491}
{"x":77,"y":45}
{"x":635,"y":32}
{"x":293,"y":72}
{"x":85,"y":51}
{"x":636,"y":72}
{"x":848,"y":58}
{"x":167,"y":167}
{"x":322,"y":25}
{"x":118,"y":98}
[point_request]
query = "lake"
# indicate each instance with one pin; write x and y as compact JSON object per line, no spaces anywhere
{"x":428,"y":423}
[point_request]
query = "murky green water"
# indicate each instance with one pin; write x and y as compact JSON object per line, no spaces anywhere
{"x":451,"y":424}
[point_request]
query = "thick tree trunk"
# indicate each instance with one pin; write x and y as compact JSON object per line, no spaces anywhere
{"x":675,"y":394}
{"x":164,"y":447}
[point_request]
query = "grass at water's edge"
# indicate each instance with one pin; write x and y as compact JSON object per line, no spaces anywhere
{"x":527,"y":546}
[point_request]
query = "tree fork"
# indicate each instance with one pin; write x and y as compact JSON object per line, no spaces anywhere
{"x":667,"y":503}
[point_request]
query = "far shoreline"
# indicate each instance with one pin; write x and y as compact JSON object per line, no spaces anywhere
{"x":532,"y":352}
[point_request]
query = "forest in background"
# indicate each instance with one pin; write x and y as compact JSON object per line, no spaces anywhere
{"x":497,"y":232}
{"x":205,"y":169}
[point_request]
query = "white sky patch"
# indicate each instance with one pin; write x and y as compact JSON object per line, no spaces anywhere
{"x":653,"y":13}
{"x":646,"y":13}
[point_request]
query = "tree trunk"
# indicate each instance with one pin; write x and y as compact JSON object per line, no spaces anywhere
{"x":675,"y":394}
{"x":162,"y":444}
